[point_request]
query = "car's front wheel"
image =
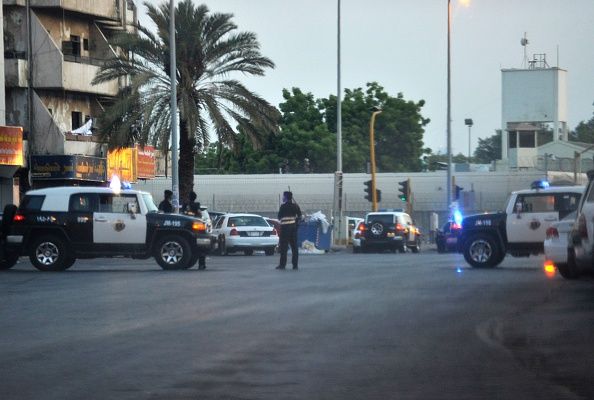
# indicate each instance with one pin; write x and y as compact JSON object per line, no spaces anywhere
{"x":482,"y":251}
{"x":173,"y":252}
{"x":49,"y":253}
{"x":569,"y":270}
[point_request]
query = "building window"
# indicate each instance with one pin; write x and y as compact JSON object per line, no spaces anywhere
{"x":75,"y":45}
{"x":527,"y":140}
{"x":86,"y":44}
{"x":76,"y":119}
{"x":513,"y":140}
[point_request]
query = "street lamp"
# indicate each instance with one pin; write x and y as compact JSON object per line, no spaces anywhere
{"x":449,"y":112}
{"x":375,"y":112}
{"x":174,"y":136}
{"x":468,"y":123}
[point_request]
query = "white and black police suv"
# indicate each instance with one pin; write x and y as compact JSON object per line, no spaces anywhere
{"x":521,"y":229}
{"x":55,"y":226}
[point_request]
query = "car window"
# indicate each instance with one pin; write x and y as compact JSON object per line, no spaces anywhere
{"x":534,"y":203}
{"x":246,"y":221}
{"x":81,"y":202}
{"x":149,"y":202}
{"x":31,"y":203}
{"x":567,"y":203}
{"x":383,"y":218}
{"x":111,"y":203}
{"x":220,"y":220}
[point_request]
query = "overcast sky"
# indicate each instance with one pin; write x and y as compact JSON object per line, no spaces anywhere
{"x":402,"y":45}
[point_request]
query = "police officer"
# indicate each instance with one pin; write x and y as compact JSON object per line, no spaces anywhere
{"x":289,"y":215}
{"x":192,"y":208}
{"x":166,"y":206}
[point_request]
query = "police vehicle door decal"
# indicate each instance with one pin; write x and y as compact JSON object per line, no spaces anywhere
{"x":119,"y":220}
{"x":532,"y":214}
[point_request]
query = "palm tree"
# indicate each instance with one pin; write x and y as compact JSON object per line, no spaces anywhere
{"x":209,"y":51}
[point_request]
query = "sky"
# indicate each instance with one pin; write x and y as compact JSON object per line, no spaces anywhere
{"x":402,"y":45}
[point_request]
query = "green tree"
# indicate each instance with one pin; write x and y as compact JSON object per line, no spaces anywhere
{"x":584,"y":131}
{"x":398,"y":130}
{"x":209,"y":51}
{"x":488,"y":149}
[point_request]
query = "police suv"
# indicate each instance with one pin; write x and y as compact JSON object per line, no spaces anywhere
{"x":56,"y":226}
{"x":521,"y":229}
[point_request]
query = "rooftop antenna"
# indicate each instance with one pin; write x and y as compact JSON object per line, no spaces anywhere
{"x":524,"y":42}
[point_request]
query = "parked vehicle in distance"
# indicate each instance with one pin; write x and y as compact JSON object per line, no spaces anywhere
{"x":387,"y":230}
{"x":446,"y":238}
{"x":244,"y":232}
{"x":352,"y":224}
{"x":55,"y":226}
{"x":581,"y":245}
{"x":556,"y":244}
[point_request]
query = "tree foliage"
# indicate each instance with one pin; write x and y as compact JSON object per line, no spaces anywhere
{"x":584,"y":131}
{"x":308,"y":131}
{"x":488,"y":149}
{"x":209,"y":51}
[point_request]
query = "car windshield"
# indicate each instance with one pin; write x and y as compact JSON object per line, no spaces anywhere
{"x":247,"y":220}
{"x":383,"y":218}
{"x":148,"y":201}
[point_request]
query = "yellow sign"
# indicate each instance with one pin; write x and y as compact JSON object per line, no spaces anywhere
{"x":123,"y":163}
{"x":11,"y":145}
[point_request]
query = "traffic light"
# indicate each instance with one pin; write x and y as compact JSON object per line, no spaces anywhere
{"x":378,"y":195}
{"x":404,"y":190}
{"x":457,"y":190}
{"x":368,"y":196}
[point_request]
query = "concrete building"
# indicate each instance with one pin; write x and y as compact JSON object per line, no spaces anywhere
{"x":52,"y":51}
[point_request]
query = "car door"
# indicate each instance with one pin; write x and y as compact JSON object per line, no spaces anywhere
{"x":119,"y":220}
{"x":79,"y":224}
{"x":532,"y":215}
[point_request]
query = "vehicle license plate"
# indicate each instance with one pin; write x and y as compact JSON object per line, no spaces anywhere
{"x":253,"y":233}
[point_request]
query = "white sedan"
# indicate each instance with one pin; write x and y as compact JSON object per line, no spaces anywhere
{"x":557,"y":241}
{"x":244,"y":232}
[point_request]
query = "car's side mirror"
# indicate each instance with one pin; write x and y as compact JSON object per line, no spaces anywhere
{"x":132,"y":210}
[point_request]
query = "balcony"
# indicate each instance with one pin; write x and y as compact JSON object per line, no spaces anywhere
{"x":103,"y":9}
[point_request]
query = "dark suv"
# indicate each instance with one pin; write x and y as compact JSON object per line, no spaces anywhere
{"x":56,"y":226}
{"x":387,"y":230}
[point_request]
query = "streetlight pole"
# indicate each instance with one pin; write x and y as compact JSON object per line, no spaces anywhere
{"x":376,"y":111}
{"x":174,"y":130}
{"x":338,"y":174}
{"x":468,"y":122}
{"x":449,"y":111}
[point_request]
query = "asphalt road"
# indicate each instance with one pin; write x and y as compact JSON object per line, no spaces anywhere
{"x":345,"y":326}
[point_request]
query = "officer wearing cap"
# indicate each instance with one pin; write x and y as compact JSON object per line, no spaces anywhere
{"x":289,"y":215}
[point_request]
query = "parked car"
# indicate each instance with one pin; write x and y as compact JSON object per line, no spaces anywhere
{"x":556,"y":244}
{"x":582,"y":235}
{"x":387,"y":230}
{"x":244,"y":232}
{"x":353,"y":224}
{"x":446,"y":238}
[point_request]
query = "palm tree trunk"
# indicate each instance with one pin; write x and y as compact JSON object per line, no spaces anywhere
{"x":186,"y":162}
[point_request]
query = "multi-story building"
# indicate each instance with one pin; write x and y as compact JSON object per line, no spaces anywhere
{"x":52,"y":51}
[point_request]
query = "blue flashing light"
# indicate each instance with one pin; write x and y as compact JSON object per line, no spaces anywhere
{"x":540,"y":184}
{"x":459,"y":270}
{"x":126,"y":185}
{"x":458,"y":217}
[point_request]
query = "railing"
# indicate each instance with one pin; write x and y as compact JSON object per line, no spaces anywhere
{"x":84,"y":60}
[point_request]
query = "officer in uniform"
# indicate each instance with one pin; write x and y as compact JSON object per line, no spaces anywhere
{"x":166,"y":206}
{"x":192,"y":208}
{"x":289,"y":215}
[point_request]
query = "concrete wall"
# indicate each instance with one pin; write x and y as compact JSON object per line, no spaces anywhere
{"x":99,"y":8}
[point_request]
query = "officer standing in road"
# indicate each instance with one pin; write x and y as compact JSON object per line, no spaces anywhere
{"x":192,"y":208}
{"x":166,"y":206}
{"x":289,"y":215}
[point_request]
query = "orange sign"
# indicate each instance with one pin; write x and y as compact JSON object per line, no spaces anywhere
{"x":122,"y":162}
{"x":146,"y":162}
{"x":11,"y":145}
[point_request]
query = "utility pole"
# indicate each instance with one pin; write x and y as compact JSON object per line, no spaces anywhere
{"x":174,"y":130}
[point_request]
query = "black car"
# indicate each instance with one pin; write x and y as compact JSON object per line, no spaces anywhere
{"x":55,"y":226}
{"x":446,"y":238}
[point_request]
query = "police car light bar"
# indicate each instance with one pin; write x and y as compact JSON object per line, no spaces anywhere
{"x":540,"y":184}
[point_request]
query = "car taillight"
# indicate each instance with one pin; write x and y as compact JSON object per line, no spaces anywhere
{"x":274,"y":232}
{"x":199,"y":226}
{"x":400,"y":227}
{"x":361,"y":227}
{"x":234,"y":232}
{"x":582,"y":228}
{"x":456,"y":226}
{"x":552,"y":232}
{"x":18,"y":218}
